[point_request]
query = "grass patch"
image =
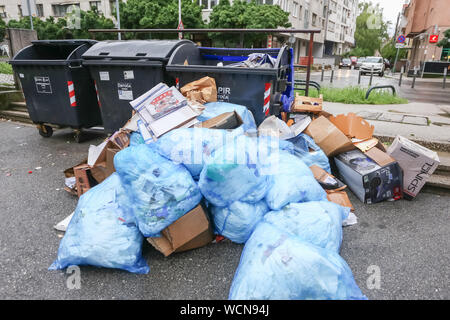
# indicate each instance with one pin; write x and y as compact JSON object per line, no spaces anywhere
{"x":357,"y":95}
{"x":5,"y":68}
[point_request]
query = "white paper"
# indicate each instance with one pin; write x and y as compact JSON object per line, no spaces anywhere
{"x":70,"y":182}
{"x":351,"y":220}
{"x":62,"y":225}
{"x":104,"y":75}
{"x":94,"y":153}
{"x":172,"y":120}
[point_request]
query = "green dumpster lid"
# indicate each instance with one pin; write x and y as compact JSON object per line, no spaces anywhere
{"x":133,"y":49}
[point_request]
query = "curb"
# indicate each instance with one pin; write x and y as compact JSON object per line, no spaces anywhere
{"x":433,"y":145}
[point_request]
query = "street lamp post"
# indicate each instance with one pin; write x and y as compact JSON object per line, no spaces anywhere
{"x":119,"y":35}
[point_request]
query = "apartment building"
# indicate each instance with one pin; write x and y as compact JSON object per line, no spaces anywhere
{"x":12,"y":9}
{"x":422,"y":19}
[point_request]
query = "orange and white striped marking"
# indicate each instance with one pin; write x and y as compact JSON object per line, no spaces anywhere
{"x":267,"y":88}
{"x":96,"y":91}
{"x":177,"y":83}
{"x":70,"y":86}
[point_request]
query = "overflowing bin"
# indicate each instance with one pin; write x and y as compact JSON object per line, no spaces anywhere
{"x":124,"y":70}
{"x":57,"y":88}
{"x":263,"y":90}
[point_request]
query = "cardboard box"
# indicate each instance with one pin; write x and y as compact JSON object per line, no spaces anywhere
{"x":368,"y":180}
{"x":418,"y":164}
{"x":352,"y":126}
{"x":84,"y":178}
{"x":307,"y":104}
{"x":227,"y":120}
{"x":110,"y":153}
{"x":328,"y":137}
{"x":193,"y":230}
{"x":326,"y":180}
{"x":172,"y":120}
{"x":340,"y":198}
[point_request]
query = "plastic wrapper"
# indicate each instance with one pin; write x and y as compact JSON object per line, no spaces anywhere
{"x":101,"y":234}
{"x":236,"y":173}
{"x":309,"y":152}
{"x":213,"y":109}
{"x":158,"y":191}
{"x":237,"y":221}
{"x":292,"y":181}
{"x":136,"y":138}
{"x":316,"y":222}
{"x":193,"y":147}
{"x":278,"y":266}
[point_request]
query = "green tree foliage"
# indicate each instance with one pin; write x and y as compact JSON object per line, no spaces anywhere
{"x":389,"y":51}
{"x":445,"y":43}
{"x":160,"y":14}
{"x":244,"y":15}
{"x":371,"y":30}
{"x":51,"y":28}
{"x":2,"y":29}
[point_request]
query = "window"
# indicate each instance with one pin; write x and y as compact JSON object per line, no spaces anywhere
{"x":209,"y":4}
{"x":294,"y":9}
{"x":331,"y":26}
{"x":60,"y":10}
{"x":40,"y":10}
{"x":314,"y":19}
{"x":96,"y":6}
{"x":2,"y":12}
{"x":300,"y":11}
{"x":333,"y":5}
{"x":306,"y":19}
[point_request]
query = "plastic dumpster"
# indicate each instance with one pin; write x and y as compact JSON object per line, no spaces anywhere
{"x":58,"y":89}
{"x":124,"y":70}
{"x":264,"y":91}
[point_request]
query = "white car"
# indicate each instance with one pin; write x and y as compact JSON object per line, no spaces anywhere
{"x":376,"y":63}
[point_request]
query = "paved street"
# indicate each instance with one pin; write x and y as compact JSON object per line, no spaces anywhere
{"x":425,"y":90}
{"x":408,"y":241}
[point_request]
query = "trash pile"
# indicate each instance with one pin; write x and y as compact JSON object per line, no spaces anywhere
{"x":187,"y":167}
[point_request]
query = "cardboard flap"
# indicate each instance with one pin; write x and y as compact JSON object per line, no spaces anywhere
{"x":227,"y":120}
{"x":161,"y":244}
{"x":187,"y":227}
{"x":353,"y":126}
{"x":340,"y":198}
{"x":380,"y":157}
{"x":366,"y":145}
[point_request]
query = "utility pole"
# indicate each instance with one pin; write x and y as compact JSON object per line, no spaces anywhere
{"x":119,"y":35}
{"x":29,"y":14}
{"x":180,"y":35}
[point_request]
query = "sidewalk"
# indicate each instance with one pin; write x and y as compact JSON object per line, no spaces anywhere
{"x":416,"y":121}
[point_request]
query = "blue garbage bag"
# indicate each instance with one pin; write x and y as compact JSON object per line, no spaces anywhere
{"x":136,"y":138}
{"x":213,"y":109}
{"x":101,"y":234}
{"x":275,"y":265}
{"x":309,"y":152}
{"x":237,"y":221}
{"x":292,"y":181}
{"x":235,"y":173}
{"x":316,"y":222}
{"x":193,"y":147}
{"x":158,"y":191}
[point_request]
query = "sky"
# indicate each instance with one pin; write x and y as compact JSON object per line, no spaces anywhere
{"x":391,"y":8}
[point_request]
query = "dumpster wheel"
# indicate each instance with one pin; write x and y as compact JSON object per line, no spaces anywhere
{"x":78,"y":135}
{"x":45,"y":131}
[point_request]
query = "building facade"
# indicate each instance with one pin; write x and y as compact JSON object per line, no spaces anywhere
{"x":422,"y":19}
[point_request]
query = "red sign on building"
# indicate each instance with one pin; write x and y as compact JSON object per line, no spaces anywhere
{"x":434,"y":38}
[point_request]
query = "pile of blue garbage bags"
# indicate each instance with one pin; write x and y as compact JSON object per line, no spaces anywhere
{"x":259,"y":192}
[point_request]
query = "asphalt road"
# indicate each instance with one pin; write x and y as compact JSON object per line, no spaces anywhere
{"x":427,"y":92}
{"x":407,"y":241}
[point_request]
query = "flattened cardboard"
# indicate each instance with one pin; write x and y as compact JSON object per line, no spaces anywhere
{"x":328,"y":137}
{"x":353,"y":126}
{"x":192,"y":230}
{"x":340,"y":198}
{"x":84,"y":179}
{"x":366,"y":145}
{"x":380,"y":157}
{"x":110,"y":153}
{"x":417,"y":162}
{"x":227,"y":120}
{"x":323,"y":177}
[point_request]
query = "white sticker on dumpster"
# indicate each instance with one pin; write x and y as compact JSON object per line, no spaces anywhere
{"x":104,"y":75}
{"x":43,"y":84}
{"x":125,"y":91}
{"x":223,"y":93}
{"x":128,"y":75}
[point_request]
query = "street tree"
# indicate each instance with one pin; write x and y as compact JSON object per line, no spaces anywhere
{"x":243,"y":15}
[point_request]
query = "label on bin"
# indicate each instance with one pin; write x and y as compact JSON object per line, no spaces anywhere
{"x":104,"y":75}
{"x":43,"y":84}
{"x":125,"y":91}
{"x":223,"y":93}
{"x":128,"y":75}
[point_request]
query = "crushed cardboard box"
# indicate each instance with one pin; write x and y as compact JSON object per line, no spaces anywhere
{"x":353,"y":126}
{"x":307,"y":104}
{"x":193,"y":230}
{"x":227,"y":120}
{"x":418,"y":164}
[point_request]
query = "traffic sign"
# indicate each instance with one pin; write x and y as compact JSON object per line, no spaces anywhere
{"x":400,"y":45}
{"x":180,"y":27}
{"x":434,"y":38}
{"x":401,"y":39}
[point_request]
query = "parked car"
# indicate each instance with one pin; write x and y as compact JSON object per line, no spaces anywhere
{"x":375,"y":63}
{"x":360,"y":62}
{"x":354,"y":60}
{"x":345,"y":63}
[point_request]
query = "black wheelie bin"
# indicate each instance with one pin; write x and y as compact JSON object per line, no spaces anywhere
{"x":57,"y":88}
{"x":265,"y":91}
{"x":124,"y":70}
